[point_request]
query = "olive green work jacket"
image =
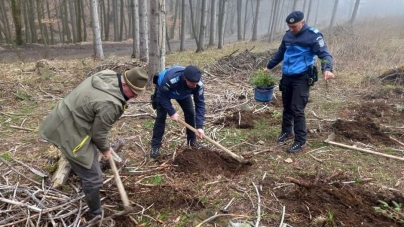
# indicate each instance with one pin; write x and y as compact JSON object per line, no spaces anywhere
{"x":84,"y":118}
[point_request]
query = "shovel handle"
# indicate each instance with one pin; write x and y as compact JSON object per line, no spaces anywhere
{"x":121,"y":189}
{"x":237,"y":157}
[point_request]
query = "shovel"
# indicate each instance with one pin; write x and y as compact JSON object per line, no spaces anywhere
{"x":332,"y":137}
{"x":239,"y":158}
{"x":124,"y":197}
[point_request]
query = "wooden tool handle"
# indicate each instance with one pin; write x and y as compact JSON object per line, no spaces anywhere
{"x":237,"y":157}
{"x":121,"y":189}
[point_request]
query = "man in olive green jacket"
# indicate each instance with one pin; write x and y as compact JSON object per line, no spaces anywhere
{"x":80,"y":123}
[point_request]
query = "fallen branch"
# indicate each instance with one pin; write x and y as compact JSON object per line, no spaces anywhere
{"x":220,"y":215}
{"x":21,"y":128}
{"x":299,"y":182}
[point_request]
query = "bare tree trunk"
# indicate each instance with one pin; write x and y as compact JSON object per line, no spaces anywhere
{"x":245,"y":18}
{"x":334,"y":13}
{"x":122,"y":20}
{"x":84,"y":21}
{"x":73,"y":20}
{"x":202,"y":31}
{"x":52,"y":40}
{"x":182,"y":40}
{"x":309,"y":11}
{"x":274,"y":19}
{"x":26,"y":23}
{"x":98,"y":51}
{"x":66,"y":22}
{"x":6,"y":26}
{"x":79,"y":16}
{"x":154,"y":63}
{"x":355,"y":11}
{"x":16,"y":15}
{"x":193,"y":23}
{"x":222,"y":16}
{"x":172,"y":31}
{"x":162,"y":33}
{"x":255,"y":26}
{"x":212,"y":33}
{"x":143,"y":31}
{"x":239,"y":7}
{"x":135,"y":11}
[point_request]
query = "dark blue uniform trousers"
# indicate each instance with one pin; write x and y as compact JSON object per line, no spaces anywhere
{"x":160,"y":123}
{"x":295,"y":94}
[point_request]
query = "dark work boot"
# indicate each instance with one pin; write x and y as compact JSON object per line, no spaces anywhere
{"x":154,"y":152}
{"x":92,"y":197}
{"x":284,"y":136}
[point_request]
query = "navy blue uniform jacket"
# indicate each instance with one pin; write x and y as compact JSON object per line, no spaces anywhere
{"x":299,"y":51}
{"x":172,"y":85}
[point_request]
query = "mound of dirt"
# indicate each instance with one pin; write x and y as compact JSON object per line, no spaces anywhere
{"x":332,"y":201}
{"x":205,"y":162}
{"x":245,"y":119}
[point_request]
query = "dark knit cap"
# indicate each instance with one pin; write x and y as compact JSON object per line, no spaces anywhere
{"x":294,"y":17}
{"x":136,"y":79}
{"x":192,"y":73}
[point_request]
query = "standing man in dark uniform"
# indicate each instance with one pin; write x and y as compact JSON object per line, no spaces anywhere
{"x":298,"y":50}
{"x":80,"y":123}
{"x":179,"y":83}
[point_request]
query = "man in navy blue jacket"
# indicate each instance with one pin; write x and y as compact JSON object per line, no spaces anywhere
{"x":179,"y":83}
{"x":298,"y":50}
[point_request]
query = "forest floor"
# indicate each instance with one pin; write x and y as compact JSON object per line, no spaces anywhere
{"x":325,"y":185}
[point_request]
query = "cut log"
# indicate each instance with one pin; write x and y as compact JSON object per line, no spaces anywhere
{"x":62,"y":173}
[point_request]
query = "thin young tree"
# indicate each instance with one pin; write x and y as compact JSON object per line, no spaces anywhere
{"x":97,"y":43}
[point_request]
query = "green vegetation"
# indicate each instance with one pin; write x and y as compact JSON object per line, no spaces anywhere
{"x":394,"y":212}
{"x":260,"y":78}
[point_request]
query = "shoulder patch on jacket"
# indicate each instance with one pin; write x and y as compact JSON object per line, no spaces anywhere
{"x":174,"y":80}
{"x":315,"y":30}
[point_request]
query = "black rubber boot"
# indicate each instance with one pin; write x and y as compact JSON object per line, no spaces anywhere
{"x":93,"y":201}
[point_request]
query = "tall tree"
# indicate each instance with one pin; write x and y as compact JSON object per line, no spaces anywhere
{"x":97,"y":43}
{"x":245,"y":18}
{"x":202,"y":29}
{"x":16,"y":14}
{"x":143,"y":31}
{"x":355,"y":11}
{"x":154,"y":63}
{"x":222,"y":22}
{"x":239,"y":8}
{"x":135,"y":12}
{"x":256,"y":20}
{"x":334,"y":13}
{"x":212,"y":32}
{"x":162,"y":33}
{"x":182,"y":39}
